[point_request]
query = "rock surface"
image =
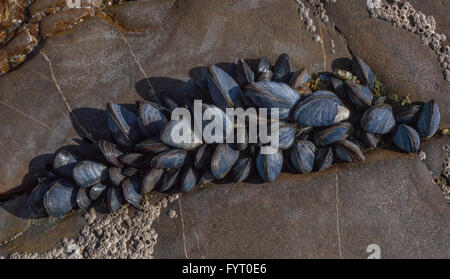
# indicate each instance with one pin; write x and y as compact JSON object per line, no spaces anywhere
{"x":334,"y":214}
{"x":404,"y":65}
{"x":71,"y":77}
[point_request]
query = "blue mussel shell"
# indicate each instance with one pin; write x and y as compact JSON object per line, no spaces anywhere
{"x":270,"y":94}
{"x":429,"y":119}
{"x":269,"y":165}
{"x":322,"y":108}
{"x":302,"y":156}
{"x":378,"y":119}
{"x":406,"y":138}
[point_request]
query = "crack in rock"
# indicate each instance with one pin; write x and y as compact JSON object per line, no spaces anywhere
{"x":34,"y":120}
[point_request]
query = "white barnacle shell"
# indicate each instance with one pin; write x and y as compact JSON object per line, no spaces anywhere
{"x":343,"y":114}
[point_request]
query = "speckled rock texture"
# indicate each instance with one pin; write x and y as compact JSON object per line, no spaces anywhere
{"x":334,"y":214}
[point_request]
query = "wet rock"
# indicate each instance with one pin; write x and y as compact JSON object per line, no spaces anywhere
{"x":405,"y":215}
{"x":436,"y":153}
{"x":12,"y":224}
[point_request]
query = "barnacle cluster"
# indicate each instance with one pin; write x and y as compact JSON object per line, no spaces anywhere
{"x":403,"y":14}
{"x":304,"y":14}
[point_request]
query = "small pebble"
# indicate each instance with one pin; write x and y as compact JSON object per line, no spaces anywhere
{"x":422,"y":156}
{"x":172,"y":214}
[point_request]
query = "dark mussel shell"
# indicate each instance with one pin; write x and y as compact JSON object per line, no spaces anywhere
{"x":410,"y":114}
{"x":286,"y":133}
{"x":96,"y":191}
{"x":242,"y":140}
{"x":246,"y":99}
{"x":428,"y":122}
{"x":115,"y":176}
{"x":188,"y":179}
{"x":188,"y":141}
{"x":406,"y":138}
{"x":338,"y":86}
{"x":87,"y":173}
{"x":60,"y":198}
{"x":324,"y":158}
{"x":206,"y":178}
{"x":151,"y":179}
{"x":371,"y":140}
{"x":241,"y":169}
{"x":65,"y":161}
{"x":36,"y":197}
{"x":83,"y":200}
{"x":241,"y":136}
{"x":151,"y":145}
{"x":269,"y":166}
{"x":282,"y":68}
{"x":322,"y":108}
{"x":269,"y":94}
{"x":114,"y":198}
{"x":123,"y":125}
{"x":363,"y":72}
{"x":348,"y":151}
{"x":224,"y":90}
{"x":303,"y":132}
{"x":325,"y":77}
{"x":332,"y":134}
{"x":244,"y":74}
{"x":110,"y":152}
{"x":170,"y":179}
{"x":171,"y":159}
{"x":135,"y":160}
{"x":151,"y":119}
{"x":378,"y":119}
{"x":129,"y":171}
{"x":302,"y":156}
{"x":167,"y":101}
{"x":131,"y":188}
{"x":223,"y":160}
{"x":203,"y":156}
{"x":359,"y":94}
{"x":299,"y":79}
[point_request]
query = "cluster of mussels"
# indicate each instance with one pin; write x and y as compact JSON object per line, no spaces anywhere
{"x":324,"y":118}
